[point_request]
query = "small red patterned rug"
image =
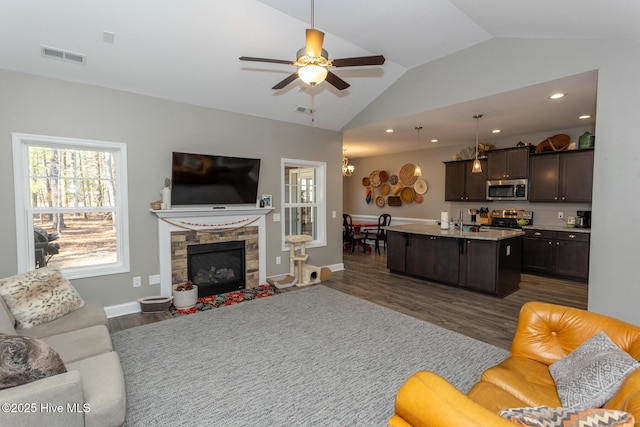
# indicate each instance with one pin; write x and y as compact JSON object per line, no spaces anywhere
{"x":230,"y":298}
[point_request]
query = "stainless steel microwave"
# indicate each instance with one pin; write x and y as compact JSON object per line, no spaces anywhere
{"x":507,"y":189}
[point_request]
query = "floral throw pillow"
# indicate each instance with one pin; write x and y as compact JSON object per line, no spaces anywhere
{"x":39,"y":296}
{"x":592,"y":373}
{"x":26,"y":359}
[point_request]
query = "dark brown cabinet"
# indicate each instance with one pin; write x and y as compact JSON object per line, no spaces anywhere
{"x":431,"y":257}
{"x":508,"y":163}
{"x":463,"y":185}
{"x":483,"y":265}
{"x":492,"y":266}
{"x":557,"y":253}
{"x":565,"y":176}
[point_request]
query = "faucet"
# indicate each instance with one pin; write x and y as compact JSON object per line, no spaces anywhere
{"x":460,"y":221}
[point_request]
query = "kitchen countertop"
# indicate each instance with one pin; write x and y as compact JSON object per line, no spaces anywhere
{"x":556,"y":228}
{"x":435,"y":230}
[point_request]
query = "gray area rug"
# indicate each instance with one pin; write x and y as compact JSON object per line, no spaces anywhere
{"x":312,"y":357}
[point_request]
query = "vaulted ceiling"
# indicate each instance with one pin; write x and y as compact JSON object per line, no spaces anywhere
{"x":188,"y":50}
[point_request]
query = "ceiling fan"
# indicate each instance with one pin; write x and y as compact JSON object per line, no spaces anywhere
{"x":313,"y":62}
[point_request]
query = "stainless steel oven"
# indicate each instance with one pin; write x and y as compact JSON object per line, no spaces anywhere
{"x":507,"y":189}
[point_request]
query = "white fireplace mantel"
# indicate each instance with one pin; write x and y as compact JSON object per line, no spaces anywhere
{"x":199,"y":218}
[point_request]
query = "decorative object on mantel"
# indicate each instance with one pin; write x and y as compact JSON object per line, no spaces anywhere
{"x":156,"y":205}
{"x":418,"y":171}
{"x":185,"y":295}
{"x":347,"y":169}
{"x":477,"y":167}
{"x":166,"y":194}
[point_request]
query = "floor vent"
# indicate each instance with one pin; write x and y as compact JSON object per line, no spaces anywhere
{"x":63,"y":55}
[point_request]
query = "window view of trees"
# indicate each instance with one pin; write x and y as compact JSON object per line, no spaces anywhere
{"x":72,"y":196}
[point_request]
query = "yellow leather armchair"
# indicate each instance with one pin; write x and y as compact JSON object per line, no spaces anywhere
{"x":545,"y":333}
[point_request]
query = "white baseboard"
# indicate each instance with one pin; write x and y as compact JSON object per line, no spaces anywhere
{"x":123,"y":309}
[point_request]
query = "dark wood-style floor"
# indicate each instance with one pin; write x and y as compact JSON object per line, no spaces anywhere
{"x":484,"y":317}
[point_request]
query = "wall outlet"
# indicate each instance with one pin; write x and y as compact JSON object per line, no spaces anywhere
{"x":154,"y":279}
{"x":278,"y":260}
{"x":276,"y":217}
{"x":333,"y":214}
{"x":560,"y":215}
{"x":137,"y":282}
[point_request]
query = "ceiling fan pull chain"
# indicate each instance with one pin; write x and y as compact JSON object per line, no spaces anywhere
{"x":313,"y":106}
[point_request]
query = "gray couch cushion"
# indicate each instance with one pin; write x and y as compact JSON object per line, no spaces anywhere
{"x":86,"y":342}
{"x":103,"y":388}
{"x":91,"y":314}
{"x":26,"y":359}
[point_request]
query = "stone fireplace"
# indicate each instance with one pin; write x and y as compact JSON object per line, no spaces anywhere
{"x":190,"y":232}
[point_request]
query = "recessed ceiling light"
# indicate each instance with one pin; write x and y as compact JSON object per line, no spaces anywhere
{"x":496,"y":131}
{"x":434,"y":140}
{"x":389,"y":130}
{"x":557,"y":95}
{"x":586,"y":116}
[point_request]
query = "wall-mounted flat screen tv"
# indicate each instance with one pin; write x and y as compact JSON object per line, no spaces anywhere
{"x":202,"y":179}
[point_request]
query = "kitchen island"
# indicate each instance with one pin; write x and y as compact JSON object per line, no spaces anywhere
{"x":487,"y":260}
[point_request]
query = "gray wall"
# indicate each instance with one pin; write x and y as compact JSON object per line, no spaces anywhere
{"x":152,"y":129}
{"x":501,"y":65}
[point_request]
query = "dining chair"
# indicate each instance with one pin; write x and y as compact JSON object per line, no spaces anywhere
{"x":380,"y":235}
{"x":349,"y":234}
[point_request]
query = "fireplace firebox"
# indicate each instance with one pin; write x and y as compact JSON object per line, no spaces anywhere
{"x":217,"y":267}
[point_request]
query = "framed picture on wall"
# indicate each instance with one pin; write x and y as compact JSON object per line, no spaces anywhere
{"x":266,"y":200}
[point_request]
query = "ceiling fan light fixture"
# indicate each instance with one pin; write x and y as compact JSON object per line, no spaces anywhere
{"x":312,"y":74}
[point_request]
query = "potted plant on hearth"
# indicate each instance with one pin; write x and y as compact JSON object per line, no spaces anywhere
{"x":185,"y":295}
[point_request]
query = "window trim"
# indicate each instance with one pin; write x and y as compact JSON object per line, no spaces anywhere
{"x":321,"y":200}
{"x":24,"y":212}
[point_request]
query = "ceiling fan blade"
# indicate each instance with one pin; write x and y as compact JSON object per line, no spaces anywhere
{"x":359,"y":61}
{"x":286,"y":81}
{"x":336,"y":81}
{"x":275,"y":61}
{"x":314,"y":42}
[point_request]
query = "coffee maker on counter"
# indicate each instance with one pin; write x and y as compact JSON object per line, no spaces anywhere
{"x":583,"y":219}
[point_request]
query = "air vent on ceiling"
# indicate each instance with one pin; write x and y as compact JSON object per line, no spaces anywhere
{"x":304,"y":110}
{"x":63,"y":55}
